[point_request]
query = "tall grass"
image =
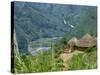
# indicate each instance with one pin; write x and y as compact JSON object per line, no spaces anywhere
{"x":38,"y":63}
{"x":86,"y":60}
{"x":26,"y":63}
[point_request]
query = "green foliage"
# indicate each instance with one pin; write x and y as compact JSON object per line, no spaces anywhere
{"x":39,"y":63}
{"x":63,"y":41}
{"x":43,"y":62}
{"x":90,"y":49}
{"x":44,"y":42}
{"x":84,"y":61}
{"x":19,"y":65}
{"x":29,"y":18}
{"x":87,"y":23}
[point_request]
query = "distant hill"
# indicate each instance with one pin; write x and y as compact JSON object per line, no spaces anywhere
{"x":87,"y":24}
{"x":53,"y":20}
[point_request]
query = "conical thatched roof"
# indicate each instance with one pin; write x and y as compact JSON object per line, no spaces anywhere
{"x":86,"y":41}
{"x":72,"y":41}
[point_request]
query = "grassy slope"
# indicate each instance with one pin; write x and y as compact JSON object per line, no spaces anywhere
{"x":87,"y":60}
{"x":44,"y":63}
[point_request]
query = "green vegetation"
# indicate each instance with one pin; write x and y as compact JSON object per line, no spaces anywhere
{"x":30,"y":18}
{"x":39,"y":63}
{"x":82,"y":61}
{"x":37,"y":24}
{"x":47,"y":62}
{"x":19,"y":65}
{"x":44,"y":42}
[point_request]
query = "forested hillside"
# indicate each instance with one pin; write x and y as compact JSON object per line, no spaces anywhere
{"x":51,"y":20}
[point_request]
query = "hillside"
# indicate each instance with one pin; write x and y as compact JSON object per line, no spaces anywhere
{"x":51,"y":20}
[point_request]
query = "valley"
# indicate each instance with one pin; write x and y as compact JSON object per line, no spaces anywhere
{"x":43,"y":44}
{"x":54,"y":37}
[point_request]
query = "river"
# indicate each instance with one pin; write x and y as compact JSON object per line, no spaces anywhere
{"x":33,"y":51}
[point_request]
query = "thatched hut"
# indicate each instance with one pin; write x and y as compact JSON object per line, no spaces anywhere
{"x":71,"y":43}
{"x":86,"y":41}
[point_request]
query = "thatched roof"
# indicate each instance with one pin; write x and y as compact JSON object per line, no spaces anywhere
{"x":86,"y":41}
{"x":72,"y":41}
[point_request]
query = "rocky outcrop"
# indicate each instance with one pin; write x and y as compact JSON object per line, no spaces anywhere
{"x":16,"y":50}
